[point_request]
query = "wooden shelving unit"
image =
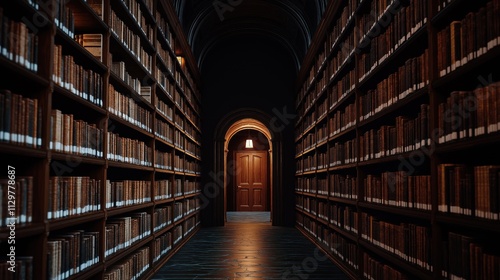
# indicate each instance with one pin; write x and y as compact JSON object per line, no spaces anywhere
{"x":376,"y":195}
{"x":78,"y":190}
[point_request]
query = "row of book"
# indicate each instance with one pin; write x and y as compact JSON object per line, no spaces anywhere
{"x":411,"y":242}
{"x":338,"y":29}
{"x":341,"y":216}
{"x":467,"y":257}
{"x":73,"y":136}
{"x":163,"y":130}
{"x":163,"y":160}
{"x":64,"y":19}
{"x":119,"y":69}
{"x":128,"y":109}
{"x":134,"y":8}
{"x":163,"y":81}
{"x":127,"y":192}
{"x":193,"y":149}
{"x":343,"y":153}
{"x":162,"y":245}
{"x":406,"y":135}
{"x":71,"y":252}
{"x":409,"y":77}
{"x":18,"y":43}
{"x":465,"y":40}
{"x":469,"y":190}
{"x":373,"y":269}
{"x":92,"y":43}
{"x":23,"y":269}
{"x":77,"y":79}
{"x":404,"y":24}
{"x":166,"y":110}
{"x":162,"y":217}
{"x":467,"y":114}
{"x":16,"y":200}
{"x":131,"y":40}
{"x":398,"y":189}
{"x":20,"y":120}
{"x":72,"y":195}
{"x":128,"y":150}
{"x":335,"y":185}
{"x":163,"y":189}
{"x":190,"y":224}
{"x":342,"y":119}
{"x":341,"y":58}
{"x":336,"y":243}
{"x":165,"y":31}
{"x":340,"y":90}
{"x":306,"y":123}
{"x":131,"y":268}
{"x":121,"y":232}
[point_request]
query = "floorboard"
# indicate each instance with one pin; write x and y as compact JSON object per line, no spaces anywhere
{"x":248,"y":247}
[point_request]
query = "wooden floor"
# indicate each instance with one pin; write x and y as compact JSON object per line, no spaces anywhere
{"x":248,"y":247}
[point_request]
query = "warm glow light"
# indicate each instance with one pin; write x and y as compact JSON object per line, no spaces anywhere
{"x":249,"y":144}
{"x":181,"y":60}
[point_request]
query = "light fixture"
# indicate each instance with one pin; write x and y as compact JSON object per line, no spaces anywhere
{"x":249,"y":144}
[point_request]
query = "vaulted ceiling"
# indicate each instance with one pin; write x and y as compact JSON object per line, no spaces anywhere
{"x":288,"y":24}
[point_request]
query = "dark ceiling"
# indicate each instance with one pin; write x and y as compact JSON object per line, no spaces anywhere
{"x":289,"y":23}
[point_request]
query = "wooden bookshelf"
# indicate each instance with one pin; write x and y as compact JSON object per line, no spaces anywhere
{"x":78,"y":74}
{"x":415,"y":158}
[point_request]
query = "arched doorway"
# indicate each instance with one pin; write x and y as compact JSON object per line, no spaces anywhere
{"x":248,"y":170}
{"x":214,"y":173}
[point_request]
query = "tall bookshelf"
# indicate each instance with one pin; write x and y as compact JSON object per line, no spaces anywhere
{"x":396,"y":140}
{"x":100,"y":138}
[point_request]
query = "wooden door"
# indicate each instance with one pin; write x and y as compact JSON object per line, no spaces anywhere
{"x":251,"y":181}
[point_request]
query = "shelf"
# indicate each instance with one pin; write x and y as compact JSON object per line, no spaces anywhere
{"x":58,"y":224}
{"x":350,"y":235}
{"x":396,"y":261}
{"x":115,"y":257}
{"x":78,"y":100}
{"x":121,"y":121}
{"x":18,"y":150}
{"x":396,"y":107}
{"x":466,"y":71}
{"x":127,"y":209}
{"x":119,"y":164}
{"x":23,"y":230}
{"x":400,"y":211}
{"x":340,"y":263}
{"x":397,"y":53}
{"x":472,"y":143}
{"x":13,"y":71}
{"x":469,"y":222}
{"x":347,"y":201}
{"x":396,"y":157}
{"x":89,"y":272}
{"x":75,"y":159}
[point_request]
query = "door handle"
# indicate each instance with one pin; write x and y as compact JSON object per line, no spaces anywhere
{"x":239,"y":187}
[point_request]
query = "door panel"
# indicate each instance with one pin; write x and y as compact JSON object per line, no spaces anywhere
{"x":251,"y":181}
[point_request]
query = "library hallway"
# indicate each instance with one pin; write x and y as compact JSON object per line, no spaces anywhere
{"x":248,"y":247}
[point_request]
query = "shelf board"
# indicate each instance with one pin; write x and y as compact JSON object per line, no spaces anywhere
{"x":76,"y":158}
{"x":392,"y":158}
{"x":469,"y":222}
{"x":116,"y":118}
{"x":312,"y":216}
{"x":162,"y":231}
{"x":401,"y":211}
{"x":351,"y":235}
{"x":79,"y":100}
{"x":126,"y":209}
{"x":343,"y":166}
{"x":306,"y":193}
{"x":14,"y":70}
{"x":163,"y":201}
{"x":344,"y":132}
{"x":17,"y":150}
{"x":347,"y":201}
{"x":119,"y":164}
{"x":23,"y":230}
{"x":89,"y":272}
{"x":468,"y":143}
{"x":57,"y":224}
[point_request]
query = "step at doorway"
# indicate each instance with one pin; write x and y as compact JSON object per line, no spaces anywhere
{"x":248,"y":217}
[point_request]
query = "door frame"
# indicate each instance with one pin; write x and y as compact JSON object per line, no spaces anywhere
{"x":248,"y":124}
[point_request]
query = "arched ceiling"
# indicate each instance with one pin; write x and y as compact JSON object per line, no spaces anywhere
{"x":289,"y":23}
